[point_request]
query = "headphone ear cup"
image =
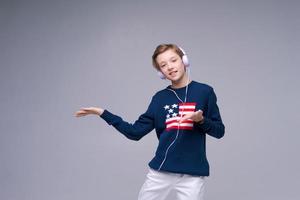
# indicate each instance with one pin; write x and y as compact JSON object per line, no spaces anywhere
{"x":161,"y":75}
{"x":185,"y":60}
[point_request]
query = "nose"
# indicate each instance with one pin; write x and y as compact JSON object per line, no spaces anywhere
{"x":170,"y":66}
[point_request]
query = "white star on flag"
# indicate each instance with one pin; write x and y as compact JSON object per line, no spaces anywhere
{"x":171,"y":111}
{"x":167,"y":107}
{"x":174,"y":106}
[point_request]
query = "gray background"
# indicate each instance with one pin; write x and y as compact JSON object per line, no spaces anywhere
{"x":57,"y":56}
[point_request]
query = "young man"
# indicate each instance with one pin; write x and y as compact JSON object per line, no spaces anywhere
{"x":182,"y":114}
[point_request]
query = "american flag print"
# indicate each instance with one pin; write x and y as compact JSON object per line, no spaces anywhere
{"x":173,"y":114}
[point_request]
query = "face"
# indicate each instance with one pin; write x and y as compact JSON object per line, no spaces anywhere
{"x":171,"y":65}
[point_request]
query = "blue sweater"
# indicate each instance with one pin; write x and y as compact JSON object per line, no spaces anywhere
{"x":181,"y":147}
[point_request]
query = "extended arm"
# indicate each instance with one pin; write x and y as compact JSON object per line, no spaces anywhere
{"x":134,"y":131}
{"x":143,"y":125}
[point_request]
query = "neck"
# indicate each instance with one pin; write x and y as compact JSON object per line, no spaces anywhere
{"x":184,"y":81}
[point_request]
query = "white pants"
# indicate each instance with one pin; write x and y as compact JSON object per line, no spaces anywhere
{"x":158,"y":185}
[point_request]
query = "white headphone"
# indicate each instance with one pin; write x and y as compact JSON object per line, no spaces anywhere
{"x":185,"y":61}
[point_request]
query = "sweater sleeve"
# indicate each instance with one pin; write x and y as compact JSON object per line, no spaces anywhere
{"x":212,"y":124}
{"x":134,"y":131}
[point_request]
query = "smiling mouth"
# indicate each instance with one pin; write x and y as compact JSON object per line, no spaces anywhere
{"x":173,"y":73}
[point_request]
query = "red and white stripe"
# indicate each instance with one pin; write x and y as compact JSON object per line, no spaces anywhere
{"x":173,"y":122}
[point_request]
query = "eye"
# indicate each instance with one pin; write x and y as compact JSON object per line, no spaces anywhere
{"x":174,"y":60}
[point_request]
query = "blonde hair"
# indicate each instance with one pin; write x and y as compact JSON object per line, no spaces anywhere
{"x":161,"y":49}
